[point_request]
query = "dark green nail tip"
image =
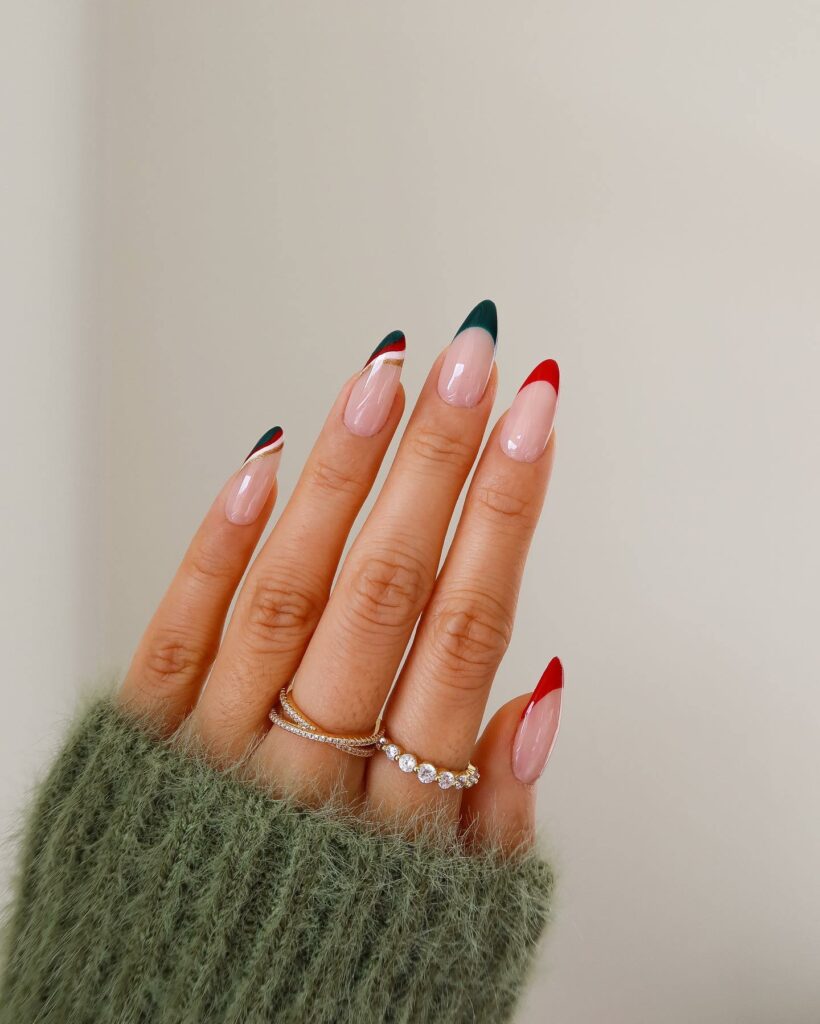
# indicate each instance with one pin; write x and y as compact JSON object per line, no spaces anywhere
{"x":394,"y":342}
{"x":271,"y":440}
{"x":484,"y":315}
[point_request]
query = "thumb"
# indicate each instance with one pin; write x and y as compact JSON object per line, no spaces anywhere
{"x":511,"y":755}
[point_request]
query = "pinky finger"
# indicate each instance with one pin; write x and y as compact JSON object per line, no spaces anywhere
{"x":178,"y":648}
{"x":511,"y":756}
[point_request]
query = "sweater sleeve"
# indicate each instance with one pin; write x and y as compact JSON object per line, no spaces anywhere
{"x":155,"y":888}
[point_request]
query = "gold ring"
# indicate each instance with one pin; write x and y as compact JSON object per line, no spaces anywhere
{"x":290,"y":717}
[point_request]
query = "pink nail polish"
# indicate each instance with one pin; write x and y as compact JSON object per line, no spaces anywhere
{"x":254,"y":481}
{"x":372,"y":396}
{"x":538,"y":728}
{"x":528,"y":423}
{"x":469,"y":359}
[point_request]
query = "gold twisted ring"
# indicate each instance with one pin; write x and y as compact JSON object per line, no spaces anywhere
{"x":289,"y":716}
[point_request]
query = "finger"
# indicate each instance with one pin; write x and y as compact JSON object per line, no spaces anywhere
{"x":511,"y":756}
{"x":387,"y":578}
{"x":181,"y":641}
{"x":288,"y":584}
{"x":436,"y":709}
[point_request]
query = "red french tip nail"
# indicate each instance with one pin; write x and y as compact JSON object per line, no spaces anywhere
{"x":546,"y":371}
{"x":552,"y":679}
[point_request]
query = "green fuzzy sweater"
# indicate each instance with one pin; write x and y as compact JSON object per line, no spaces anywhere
{"x":154,"y":888}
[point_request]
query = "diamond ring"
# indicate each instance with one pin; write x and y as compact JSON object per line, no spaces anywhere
{"x":425,"y":771}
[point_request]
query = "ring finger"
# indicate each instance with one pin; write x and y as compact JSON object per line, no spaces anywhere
{"x":436,"y":708}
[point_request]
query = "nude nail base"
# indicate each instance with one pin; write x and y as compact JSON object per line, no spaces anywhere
{"x":468,"y":361}
{"x":529,"y":421}
{"x":253,"y":483}
{"x":538,"y":729}
{"x":371,"y":397}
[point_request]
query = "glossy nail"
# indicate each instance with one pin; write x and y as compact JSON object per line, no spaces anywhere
{"x":254,"y":481}
{"x":538,"y":728}
{"x":372,"y":396}
{"x":528,"y":423}
{"x":469,"y":359}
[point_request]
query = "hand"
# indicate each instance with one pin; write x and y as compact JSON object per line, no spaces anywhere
{"x":343,"y":648}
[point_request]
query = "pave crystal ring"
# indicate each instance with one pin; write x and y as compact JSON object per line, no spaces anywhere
{"x":288,"y":716}
{"x":424,"y":771}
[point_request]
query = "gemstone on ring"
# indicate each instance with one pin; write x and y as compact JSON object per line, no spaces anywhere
{"x":425,"y":771}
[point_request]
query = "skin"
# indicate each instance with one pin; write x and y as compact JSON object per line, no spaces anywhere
{"x":345,"y":647}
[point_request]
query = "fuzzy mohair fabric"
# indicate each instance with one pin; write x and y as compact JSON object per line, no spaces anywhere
{"x":154,"y":888}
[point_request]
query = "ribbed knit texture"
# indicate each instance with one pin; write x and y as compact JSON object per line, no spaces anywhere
{"x":154,"y":888}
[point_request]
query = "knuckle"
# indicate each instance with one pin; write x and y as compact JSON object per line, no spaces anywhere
{"x":206,"y":566}
{"x":333,"y":479}
{"x":506,"y":504}
{"x":442,"y":448}
{"x":388,"y":590}
{"x":281,"y":613}
{"x":470,"y":635}
{"x":173,"y":659}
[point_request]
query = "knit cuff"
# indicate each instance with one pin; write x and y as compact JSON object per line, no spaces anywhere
{"x":155,"y":888}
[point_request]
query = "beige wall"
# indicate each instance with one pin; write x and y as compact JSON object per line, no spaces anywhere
{"x":52,"y":492}
{"x":216,"y":209}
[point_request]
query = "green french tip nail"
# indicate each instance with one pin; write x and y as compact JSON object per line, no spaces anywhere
{"x":484,"y":315}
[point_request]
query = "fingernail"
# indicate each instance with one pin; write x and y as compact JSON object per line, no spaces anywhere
{"x":469,"y":359}
{"x":538,"y":728}
{"x":254,"y":481}
{"x":372,"y":396}
{"x":528,"y":423}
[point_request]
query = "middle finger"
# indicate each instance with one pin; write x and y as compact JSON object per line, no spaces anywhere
{"x":352,"y":659}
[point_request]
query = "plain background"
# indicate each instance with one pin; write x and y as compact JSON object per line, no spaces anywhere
{"x":211,"y":212}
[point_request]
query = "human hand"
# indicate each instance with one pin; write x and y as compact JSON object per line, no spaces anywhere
{"x":342,"y":649}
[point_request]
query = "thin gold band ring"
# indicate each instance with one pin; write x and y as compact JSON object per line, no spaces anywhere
{"x":289,"y":716}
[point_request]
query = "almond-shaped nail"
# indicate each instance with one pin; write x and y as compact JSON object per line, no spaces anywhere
{"x":468,"y":361}
{"x":538,"y":728}
{"x":528,"y":423}
{"x":372,"y":396}
{"x":254,"y":481}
